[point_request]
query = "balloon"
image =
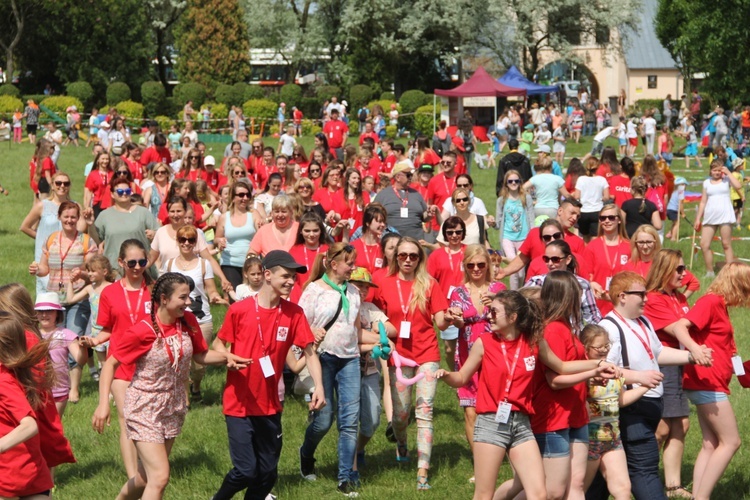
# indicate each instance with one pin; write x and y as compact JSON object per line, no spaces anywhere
{"x":383,"y":349}
{"x":399,"y":360}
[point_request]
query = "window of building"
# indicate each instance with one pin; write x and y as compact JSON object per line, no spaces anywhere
{"x":652,"y":81}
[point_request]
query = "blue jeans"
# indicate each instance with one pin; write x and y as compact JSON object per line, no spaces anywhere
{"x":370,"y":408}
{"x":588,"y":128}
{"x":341,"y":384}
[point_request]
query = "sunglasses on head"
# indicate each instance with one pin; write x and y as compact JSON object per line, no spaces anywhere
{"x":554,"y":259}
{"x":243,"y":194}
{"x":514,"y":181}
{"x":553,"y":236}
{"x":408,"y":256}
{"x":62,"y":183}
{"x":462,"y":200}
{"x":454,"y":232}
{"x":611,"y":218}
{"x":124,"y":192}
{"x":639,"y":293}
{"x":132,"y":263}
{"x":187,"y":240}
{"x":476,"y":265}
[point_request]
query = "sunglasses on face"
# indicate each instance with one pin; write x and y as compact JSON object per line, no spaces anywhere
{"x":550,"y":237}
{"x":124,"y":192}
{"x":611,"y":218}
{"x":314,"y":170}
{"x":62,"y":183}
{"x":644,"y":243}
{"x":680,"y":269}
{"x":465,"y":186}
{"x":187,"y":240}
{"x":462,"y":200}
{"x":123,"y":173}
{"x":243,"y":194}
{"x":306,"y":188}
{"x":408,"y":256}
{"x":132,"y":263}
{"x":238,"y":172}
{"x":476,"y":265}
{"x":554,"y":259}
{"x":161,"y":172}
{"x":639,"y":293}
{"x":514,"y":181}
{"x":194,"y":157}
{"x":455,"y":232}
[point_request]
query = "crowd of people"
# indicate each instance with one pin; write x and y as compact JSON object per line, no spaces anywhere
{"x":346,"y":267}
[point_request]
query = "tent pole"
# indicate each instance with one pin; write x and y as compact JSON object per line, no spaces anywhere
{"x":434,"y":108}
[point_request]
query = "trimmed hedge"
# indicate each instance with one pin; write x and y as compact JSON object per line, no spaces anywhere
{"x":359,"y":95}
{"x":10,"y":89}
{"x":252,"y":92}
{"x":391,"y":131}
{"x":424,"y":120}
{"x":259,"y":108}
{"x":291,"y":94}
{"x":81,"y":90}
{"x":9,"y":104}
{"x":153,"y":95}
{"x":190,"y":91}
{"x":353,"y":128}
{"x":387,"y":96}
{"x":225,"y":95}
{"x":37,"y":98}
{"x":409,"y":102}
{"x":386,"y":105}
{"x":325,"y":92}
{"x":164,"y":123}
{"x":58,"y":104}
{"x":133,"y":113}
{"x":117,"y":92}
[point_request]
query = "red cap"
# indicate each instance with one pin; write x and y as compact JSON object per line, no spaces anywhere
{"x":459,"y":142}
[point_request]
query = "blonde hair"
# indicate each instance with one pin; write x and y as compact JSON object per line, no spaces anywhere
{"x":635,"y":254}
{"x":340,"y":251}
{"x":664,"y":265}
{"x":733,"y":284}
{"x":505,"y":192}
{"x":422,"y":280}
{"x":470,"y":253}
{"x":620,"y":226}
{"x":590,"y":333}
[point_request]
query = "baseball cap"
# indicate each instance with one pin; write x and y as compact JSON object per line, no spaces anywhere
{"x":680,"y":181}
{"x":209,"y":160}
{"x":284,"y":259}
{"x":402,"y":166}
{"x":543,"y":149}
{"x":426,"y":167}
{"x":104,"y":125}
{"x":362,"y":275}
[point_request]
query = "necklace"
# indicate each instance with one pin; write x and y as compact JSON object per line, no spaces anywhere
{"x":185,"y":264}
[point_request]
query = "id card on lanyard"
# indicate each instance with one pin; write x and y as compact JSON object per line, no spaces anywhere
{"x":405,"y":328}
{"x":133,"y":314}
{"x":266,"y":365}
{"x":504,"y":407}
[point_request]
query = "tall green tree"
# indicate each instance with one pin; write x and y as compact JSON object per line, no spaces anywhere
{"x":15,"y":15}
{"x":162,"y":17}
{"x":212,"y":41}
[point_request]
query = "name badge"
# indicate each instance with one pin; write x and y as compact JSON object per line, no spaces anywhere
{"x":378,"y":262}
{"x":609,"y":280}
{"x":405,"y":330}
{"x":503,"y":412}
{"x":739,"y":370}
{"x":404,"y":212}
{"x":352,"y":222}
{"x":267,"y":366}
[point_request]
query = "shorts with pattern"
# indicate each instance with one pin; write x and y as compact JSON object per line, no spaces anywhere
{"x":599,"y":448}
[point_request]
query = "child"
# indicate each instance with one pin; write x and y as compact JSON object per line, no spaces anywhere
{"x":100,"y":276}
{"x":287,"y":143}
{"x":174,"y":138}
{"x":622,"y":137}
{"x":93,"y":127}
{"x":252,"y":272}
{"x":738,"y":195}
{"x":17,"y":126}
{"x":204,"y":196}
{"x":368,"y":185}
{"x":23,"y":470}
{"x":526,"y":138}
{"x":604,"y":403}
{"x":691,"y":151}
{"x":675,"y":208}
{"x":62,"y":343}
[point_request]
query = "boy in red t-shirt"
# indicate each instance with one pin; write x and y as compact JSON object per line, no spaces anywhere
{"x":263,"y":328}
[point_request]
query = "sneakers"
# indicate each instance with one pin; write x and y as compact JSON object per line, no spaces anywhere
{"x":348,"y":489}
{"x":402,"y":453}
{"x":94,"y":375}
{"x":307,"y":467}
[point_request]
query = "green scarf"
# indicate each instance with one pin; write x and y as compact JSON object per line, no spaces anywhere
{"x":342,"y":290}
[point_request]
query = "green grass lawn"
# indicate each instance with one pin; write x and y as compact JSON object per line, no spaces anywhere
{"x":200,"y":457}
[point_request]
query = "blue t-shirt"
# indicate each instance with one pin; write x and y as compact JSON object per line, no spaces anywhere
{"x":556,"y":169}
{"x":547,"y":190}
{"x":516,"y":225}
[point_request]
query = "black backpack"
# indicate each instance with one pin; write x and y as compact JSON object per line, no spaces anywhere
{"x":363,"y":114}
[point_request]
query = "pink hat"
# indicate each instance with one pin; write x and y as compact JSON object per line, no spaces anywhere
{"x":47,"y":301}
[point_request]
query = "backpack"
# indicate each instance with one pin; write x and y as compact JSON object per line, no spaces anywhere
{"x":363,"y":114}
{"x":86,"y":240}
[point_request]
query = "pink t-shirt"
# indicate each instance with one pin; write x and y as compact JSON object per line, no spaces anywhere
{"x":58,"y":353}
{"x":168,"y":247}
{"x":265,"y":239}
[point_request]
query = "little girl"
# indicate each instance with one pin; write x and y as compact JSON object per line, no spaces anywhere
{"x":252,"y":273}
{"x":204,"y":196}
{"x":101,"y":275}
{"x":174,"y":138}
{"x":604,"y":403}
{"x":17,"y":127}
{"x":62,"y":343}
{"x":23,"y":470}
{"x":515,"y":215}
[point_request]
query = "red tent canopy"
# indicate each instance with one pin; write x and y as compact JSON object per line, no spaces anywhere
{"x":481,"y":84}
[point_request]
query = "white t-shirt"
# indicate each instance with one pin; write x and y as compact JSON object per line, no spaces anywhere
{"x":638,"y":357}
{"x":476,"y":206}
{"x":601,"y":136}
{"x":168,"y":247}
{"x":632,"y":130}
{"x":203,"y":315}
{"x":543,"y":137}
{"x":591,"y":189}
{"x":621,"y":131}
{"x":287,"y":145}
{"x":649,"y":125}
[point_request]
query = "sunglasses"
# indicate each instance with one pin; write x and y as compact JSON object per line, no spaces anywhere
{"x":446,"y":163}
{"x":256,"y":147}
{"x":554,"y":260}
{"x":514,"y":181}
{"x":243,"y":194}
{"x":314,"y":170}
{"x":124,"y":192}
{"x":161,"y":172}
{"x":306,"y":188}
{"x":408,"y":256}
{"x":408,"y":174}
{"x":465,"y":186}
{"x":611,"y":218}
{"x":62,"y":183}
{"x":680,"y":269}
{"x":645,"y":243}
{"x":123,"y":173}
{"x":454,"y":232}
{"x":193,"y":157}
{"x":187,"y":240}
{"x":478,"y":265}
{"x":132,"y":263}
{"x":639,"y":293}
{"x":550,"y":237}
{"x":238,"y":172}
{"x":462,"y":200}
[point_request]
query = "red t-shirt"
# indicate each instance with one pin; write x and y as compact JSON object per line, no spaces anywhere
{"x":192,"y":175}
{"x":604,"y":262}
{"x":115,"y":316}
{"x":304,"y":255}
{"x":460,"y":165}
{"x":422,"y":344}
{"x":47,"y":166}
{"x":447,"y":268}
{"x":619,"y":189}
{"x":564,"y":408}
{"x":428,"y":157}
{"x":373,"y":169}
{"x":350,"y":209}
{"x":248,"y":393}
{"x":368,"y":256}
{"x":533,"y":246}
{"x":155,"y":154}
{"x":335,"y":130}
{"x":439,"y":189}
{"x":663,"y":310}
{"x":215,"y":180}
{"x":326,"y":197}
{"x":420,"y":189}
{"x":389,"y":162}
{"x":163,"y":214}
{"x":371,"y":135}
{"x":689,"y":281}
{"x":658,"y":194}
{"x":140,"y":339}
{"x":711,"y":326}
{"x":135,"y":168}
{"x":23,"y":470}
{"x":297,"y":115}
{"x":98,"y":183}
{"x":494,"y":372}
{"x":604,"y":170}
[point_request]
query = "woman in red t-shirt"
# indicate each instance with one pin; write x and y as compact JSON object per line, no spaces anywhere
{"x":508,"y":358}
{"x":607,"y":254}
{"x":192,"y":166}
{"x":159,"y":348}
{"x":369,"y":253}
{"x":664,"y":308}
{"x":412,"y":300}
{"x":350,"y":201}
{"x":42,"y":168}
{"x":707,"y":387}
{"x":97,"y":184}
{"x":312,"y":240}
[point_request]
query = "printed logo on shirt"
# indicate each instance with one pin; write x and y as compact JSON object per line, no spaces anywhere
{"x":623,"y":259}
{"x":147,"y":307}
{"x":530,"y":363}
{"x":282,"y":333}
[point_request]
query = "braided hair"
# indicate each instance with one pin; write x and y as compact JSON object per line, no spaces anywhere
{"x":164,"y":287}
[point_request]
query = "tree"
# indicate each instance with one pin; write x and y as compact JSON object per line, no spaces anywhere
{"x":13,"y":17}
{"x":162,"y":16}
{"x":519,"y":31}
{"x":213,"y":43}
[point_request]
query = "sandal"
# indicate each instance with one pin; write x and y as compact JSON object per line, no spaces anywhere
{"x":422,"y":484}
{"x":678,"y":491}
{"x":402,"y":453}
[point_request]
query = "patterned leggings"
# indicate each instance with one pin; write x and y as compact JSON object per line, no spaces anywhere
{"x":426,"y":389}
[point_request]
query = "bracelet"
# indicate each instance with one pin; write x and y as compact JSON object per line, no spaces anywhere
{"x":599,"y":363}
{"x":691,"y":359}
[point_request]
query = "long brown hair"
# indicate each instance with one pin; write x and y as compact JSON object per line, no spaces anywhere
{"x":528,"y":314}
{"x":323,"y":261}
{"x":15,"y":299}
{"x":662,"y":268}
{"x":27,"y":365}
{"x":561,"y":299}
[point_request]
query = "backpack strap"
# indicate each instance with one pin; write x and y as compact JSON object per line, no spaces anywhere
{"x":169,"y":265}
{"x":623,"y":347}
{"x":482,"y":234}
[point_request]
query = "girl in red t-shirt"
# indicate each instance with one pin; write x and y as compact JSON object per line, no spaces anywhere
{"x":41,"y":167}
{"x":159,"y":348}
{"x":97,"y":184}
{"x":311,"y":241}
{"x":508,"y":361}
{"x":708,"y":387}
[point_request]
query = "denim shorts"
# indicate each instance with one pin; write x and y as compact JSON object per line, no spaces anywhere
{"x":556,"y":444}
{"x":450,"y":333}
{"x":706,"y":397}
{"x":516,"y":431}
